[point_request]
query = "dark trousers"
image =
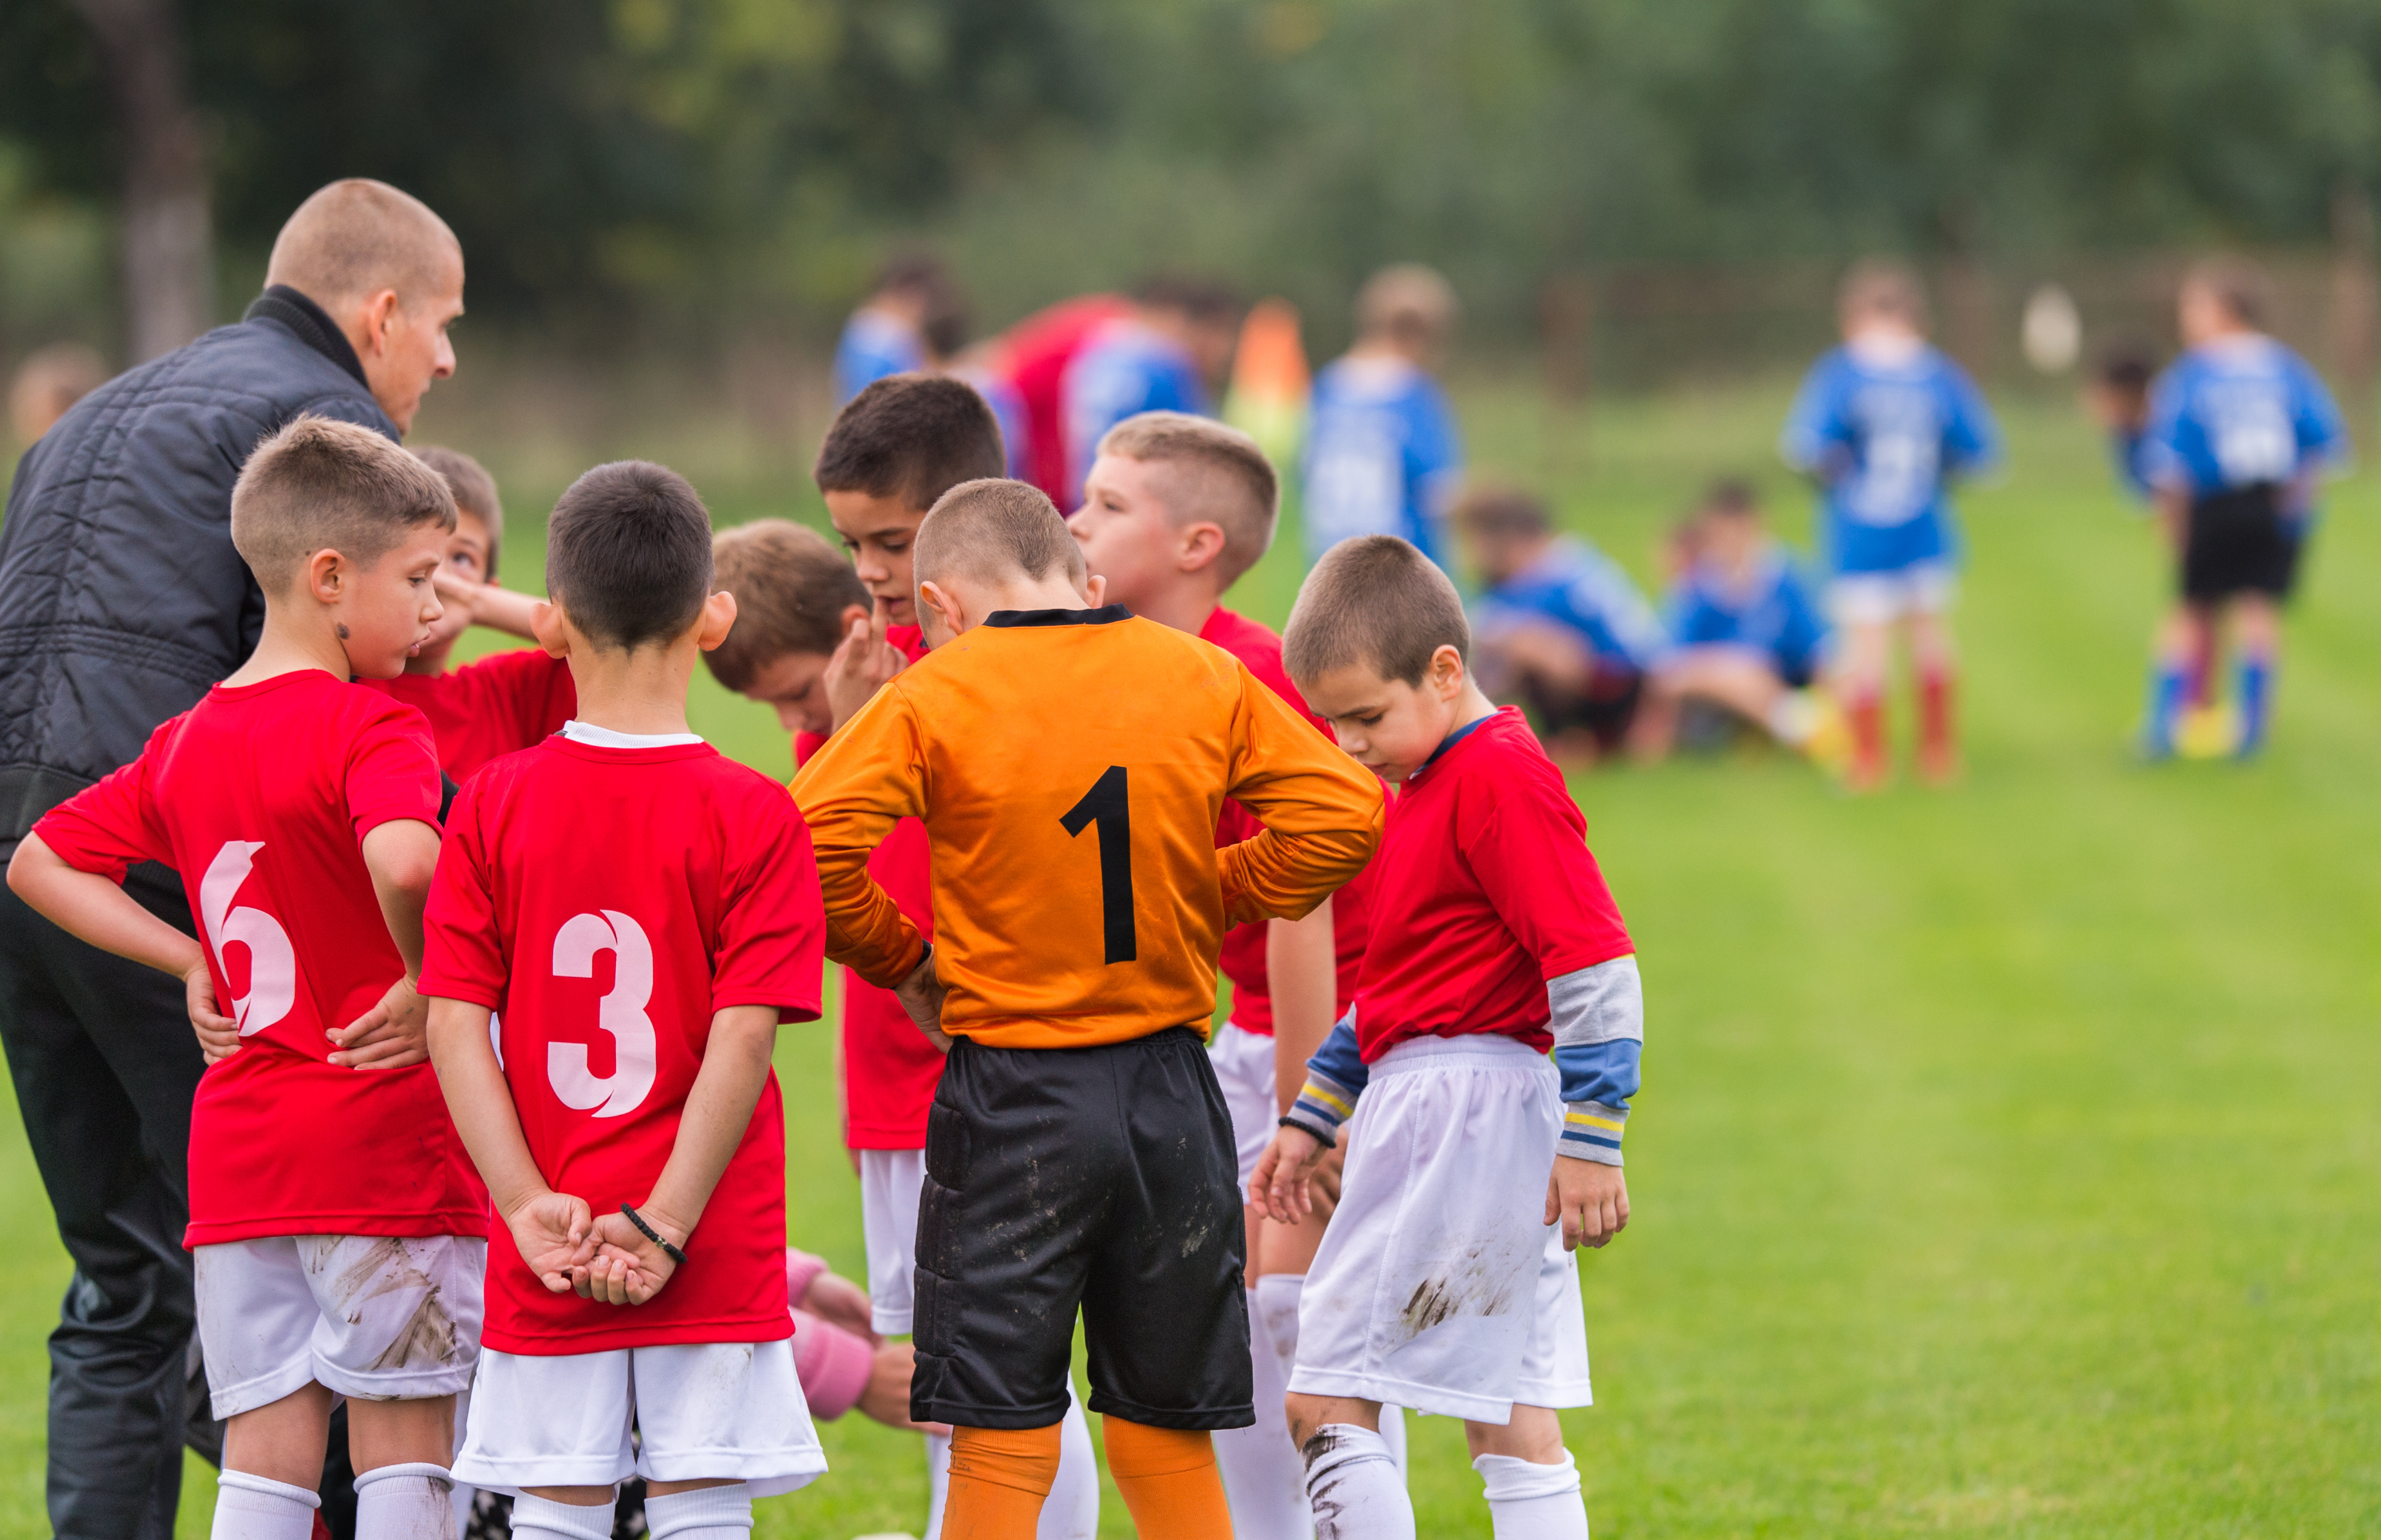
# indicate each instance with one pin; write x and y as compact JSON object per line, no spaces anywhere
{"x":106,"y":1065}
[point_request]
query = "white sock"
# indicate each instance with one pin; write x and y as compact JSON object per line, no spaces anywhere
{"x":1533,"y":1502}
{"x":258,"y":1508}
{"x":405,"y":1503}
{"x":1793,"y":717}
{"x":1263,"y":1479}
{"x":1273,"y":1318}
{"x":705,"y":1513}
{"x":544,"y":1516}
{"x":938,"y":1479}
{"x":1072,"y":1511}
{"x":1393,"y":1434}
{"x":1354,"y":1487}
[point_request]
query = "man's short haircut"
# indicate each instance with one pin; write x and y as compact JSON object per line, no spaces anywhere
{"x":319,"y":485}
{"x":791,"y":587}
{"x":992,"y":531}
{"x":1883,"y":286}
{"x":1731,"y":497}
{"x":2237,"y":283}
{"x":1376,"y":602}
{"x":1503,"y":513}
{"x":628,"y":553}
{"x":1214,"y":474}
{"x":357,"y":237}
{"x":912,"y":437}
{"x":474,"y":489}
{"x":1407,"y":302}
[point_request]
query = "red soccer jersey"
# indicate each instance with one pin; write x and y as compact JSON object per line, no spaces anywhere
{"x":500,"y":705}
{"x":259,"y":796}
{"x":1242,"y":956}
{"x":1033,"y":356}
{"x":1484,"y":889}
{"x":889,"y":1069}
{"x":604,"y":903}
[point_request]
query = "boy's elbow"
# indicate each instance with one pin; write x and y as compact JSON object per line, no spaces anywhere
{"x":31,"y":863}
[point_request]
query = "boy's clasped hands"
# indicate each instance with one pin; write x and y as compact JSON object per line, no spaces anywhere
{"x":603,"y":1257}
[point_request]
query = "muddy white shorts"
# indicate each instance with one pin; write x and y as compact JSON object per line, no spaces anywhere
{"x":1438,"y":1285}
{"x":890,"y":1181}
{"x":1243,"y":1064}
{"x":703,"y":1412}
{"x":377,"y":1317}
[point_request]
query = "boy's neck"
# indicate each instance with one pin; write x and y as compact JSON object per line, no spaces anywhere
{"x":638,"y":690}
{"x":288,"y":645}
{"x":1186,"y":606}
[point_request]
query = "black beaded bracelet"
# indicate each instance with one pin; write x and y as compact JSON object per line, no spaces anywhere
{"x":653,"y":1235}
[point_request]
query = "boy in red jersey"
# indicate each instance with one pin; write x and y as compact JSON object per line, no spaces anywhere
{"x":338,"y":1237}
{"x":631,"y":1133}
{"x":501,"y":702}
{"x":1176,"y":508}
{"x":894,"y":448}
{"x":1444,"y":1282}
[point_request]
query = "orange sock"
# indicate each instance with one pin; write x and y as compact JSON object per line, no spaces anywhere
{"x":999,"y":1477}
{"x":1168,"y":1479}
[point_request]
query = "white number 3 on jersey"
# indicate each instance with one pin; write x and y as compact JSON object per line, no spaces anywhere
{"x":272,"y":964}
{"x":621,"y":1012}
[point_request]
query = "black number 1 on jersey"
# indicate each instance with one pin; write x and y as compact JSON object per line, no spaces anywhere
{"x":1106,"y":804}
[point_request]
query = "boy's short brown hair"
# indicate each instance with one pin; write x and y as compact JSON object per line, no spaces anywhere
{"x":1375,"y":602}
{"x":910,"y":436}
{"x":994,"y":528}
{"x":1502,"y":513}
{"x":1218,"y":476}
{"x":474,"y":489}
{"x":318,"y":485}
{"x":791,"y":587}
{"x":1407,"y":302}
{"x":1883,"y":286}
{"x":628,"y":553}
{"x":2237,"y":283}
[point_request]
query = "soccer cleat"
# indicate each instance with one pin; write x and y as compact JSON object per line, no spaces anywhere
{"x":2207,"y":732}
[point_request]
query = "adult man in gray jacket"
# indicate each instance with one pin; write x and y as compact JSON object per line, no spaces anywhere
{"x":121,"y":601}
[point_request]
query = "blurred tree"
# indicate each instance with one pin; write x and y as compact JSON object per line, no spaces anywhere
{"x":168,"y":233}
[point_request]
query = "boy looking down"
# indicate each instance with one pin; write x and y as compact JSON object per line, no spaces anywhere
{"x":336,"y":1231}
{"x":1444,"y":1282}
{"x":1079,"y":1151}
{"x":630,"y":1131}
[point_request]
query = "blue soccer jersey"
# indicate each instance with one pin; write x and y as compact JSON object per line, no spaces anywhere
{"x":1774,"y":614}
{"x":874,"y":345}
{"x":2130,"y":448}
{"x":1580,"y":588}
{"x":2238,"y":412}
{"x":1124,"y":370}
{"x":1883,"y":433}
{"x":1382,"y":457}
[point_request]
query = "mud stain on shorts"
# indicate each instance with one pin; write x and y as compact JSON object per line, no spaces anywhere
{"x":427,"y":1338}
{"x":1473,"y":1285}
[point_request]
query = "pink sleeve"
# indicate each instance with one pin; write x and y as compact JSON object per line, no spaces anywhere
{"x":462,"y":955}
{"x":802,"y":1269}
{"x":393,"y":771}
{"x":772,"y":930}
{"x":832,"y":1364}
{"x":106,"y":827}
{"x":1530,"y":852}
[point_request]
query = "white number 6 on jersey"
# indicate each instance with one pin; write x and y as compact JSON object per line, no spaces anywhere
{"x":272,"y":965}
{"x":621,"y":1012}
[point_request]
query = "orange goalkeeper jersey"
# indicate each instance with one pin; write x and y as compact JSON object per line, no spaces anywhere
{"x":1068,"y":766}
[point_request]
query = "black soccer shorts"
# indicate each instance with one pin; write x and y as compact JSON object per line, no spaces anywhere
{"x":1099,"y":1177}
{"x":2236,"y":543}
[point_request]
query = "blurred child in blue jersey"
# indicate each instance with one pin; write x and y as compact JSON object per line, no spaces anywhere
{"x":1883,"y":424}
{"x":2241,"y":429}
{"x":912,"y":321}
{"x":1746,"y":636}
{"x":1382,"y":453}
{"x":1171,"y":353}
{"x":1560,"y":628}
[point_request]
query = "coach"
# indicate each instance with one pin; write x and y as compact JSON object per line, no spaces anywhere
{"x":121,"y":601}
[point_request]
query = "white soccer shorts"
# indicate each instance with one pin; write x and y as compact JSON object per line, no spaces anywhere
{"x":376,"y":1317}
{"x":1438,"y":1285}
{"x":1243,"y":1065}
{"x":890,"y":1181}
{"x":704,"y":1412}
{"x":1881,"y":598}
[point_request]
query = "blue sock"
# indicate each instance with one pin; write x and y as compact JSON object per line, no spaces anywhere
{"x":2256,"y":702}
{"x":2169,"y":682}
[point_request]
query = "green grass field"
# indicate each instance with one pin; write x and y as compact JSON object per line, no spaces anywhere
{"x":2007,"y":1162}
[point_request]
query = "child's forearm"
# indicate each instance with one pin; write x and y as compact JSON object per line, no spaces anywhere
{"x":96,"y":909}
{"x":481,"y":1103}
{"x":500,"y":609}
{"x":718,"y":1110}
{"x":1302,"y":977}
{"x":402,"y":855}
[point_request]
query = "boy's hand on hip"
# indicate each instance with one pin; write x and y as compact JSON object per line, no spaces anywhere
{"x":630,"y":1266}
{"x":1281,"y":1185}
{"x":1590,"y":1199}
{"x":555,"y":1237}
{"x":391,"y":1035}
{"x":922,"y":996}
{"x":860,"y":665}
{"x":218,"y":1033}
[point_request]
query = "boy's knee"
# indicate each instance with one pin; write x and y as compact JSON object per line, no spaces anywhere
{"x":1534,"y":1434}
{"x":1023,"y":1460}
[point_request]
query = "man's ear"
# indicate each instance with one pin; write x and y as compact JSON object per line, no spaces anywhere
{"x":545,"y":624}
{"x":326,"y":575}
{"x":374,"y":318}
{"x":718,"y":620}
{"x":1198,"y":546}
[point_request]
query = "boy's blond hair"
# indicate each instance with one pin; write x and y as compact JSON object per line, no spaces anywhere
{"x":793,"y":589}
{"x":1407,"y":302}
{"x":993,"y":529}
{"x":1377,"y":603}
{"x":1883,"y":286}
{"x":1215,"y":474}
{"x":474,"y":489}
{"x":320,"y":485}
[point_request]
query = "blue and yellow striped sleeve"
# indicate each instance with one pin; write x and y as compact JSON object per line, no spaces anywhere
{"x":1335,"y":1078}
{"x":1599,"y":1027}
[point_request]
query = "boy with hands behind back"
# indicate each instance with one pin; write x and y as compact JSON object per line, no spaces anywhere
{"x":641,"y":913}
